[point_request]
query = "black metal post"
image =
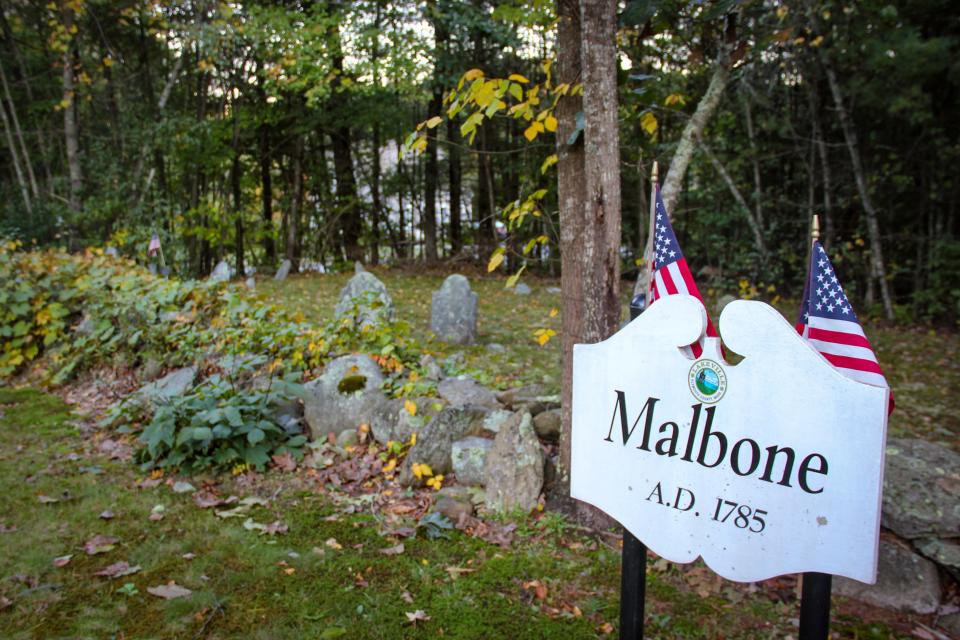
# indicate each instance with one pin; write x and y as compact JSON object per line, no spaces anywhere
{"x":815,"y":606}
{"x":633,"y":587}
{"x":633,"y":562}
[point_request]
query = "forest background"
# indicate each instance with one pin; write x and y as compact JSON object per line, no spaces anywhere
{"x":265,"y":130}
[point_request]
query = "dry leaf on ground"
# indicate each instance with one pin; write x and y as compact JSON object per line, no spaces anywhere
{"x":100,"y":544}
{"x":169,"y":591}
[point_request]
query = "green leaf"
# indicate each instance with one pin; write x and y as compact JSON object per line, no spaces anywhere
{"x":202,"y":433}
{"x":255,"y":436}
{"x":233,"y":416}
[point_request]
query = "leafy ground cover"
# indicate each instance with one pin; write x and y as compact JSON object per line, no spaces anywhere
{"x":301,"y":560}
{"x":921,"y":363}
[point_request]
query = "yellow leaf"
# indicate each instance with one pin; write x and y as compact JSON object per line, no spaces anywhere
{"x":108,"y":61}
{"x":512,"y":280}
{"x":420,"y":145}
{"x":516,"y":77}
{"x":472,"y":74}
{"x":649,"y":123}
{"x":550,"y":123}
{"x":675,"y":98}
{"x":495,"y":260}
{"x":533,"y":130}
{"x":390,"y":466}
{"x":413,"y":438}
{"x":410,"y":406}
{"x":554,"y":312}
{"x":548,"y":162}
{"x":434,"y":122}
{"x":486,"y":93}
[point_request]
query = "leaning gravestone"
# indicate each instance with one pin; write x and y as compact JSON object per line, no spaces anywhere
{"x":365,"y":301}
{"x":453,"y":314}
{"x":221,"y":272}
{"x":283,"y":271}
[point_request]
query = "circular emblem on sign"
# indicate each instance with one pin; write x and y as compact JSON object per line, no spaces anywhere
{"x":707,"y":381}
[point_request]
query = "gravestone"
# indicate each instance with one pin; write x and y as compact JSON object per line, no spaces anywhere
{"x":221,"y":272}
{"x":283,"y":271}
{"x":347,"y":395}
{"x":453,"y":314}
{"x":522,"y":289}
{"x":365,"y":301}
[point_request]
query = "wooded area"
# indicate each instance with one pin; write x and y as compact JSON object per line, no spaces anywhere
{"x":271,"y":129}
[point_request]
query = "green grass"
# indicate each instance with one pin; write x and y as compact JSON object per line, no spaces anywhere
{"x":247,"y":585}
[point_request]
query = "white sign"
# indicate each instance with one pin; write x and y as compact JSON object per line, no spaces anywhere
{"x":768,"y":467}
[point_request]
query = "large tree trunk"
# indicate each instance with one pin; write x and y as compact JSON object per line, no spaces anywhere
{"x":589,"y":187}
{"x":877,"y":266}
{"x":70,"y":131}
{"x":429,"y":221}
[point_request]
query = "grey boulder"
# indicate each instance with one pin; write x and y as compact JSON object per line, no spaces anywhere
{"x":547,"y":424}
{"x":453,"y":312}
{"x":513,"y":471}
{"x":464,"y":390}
{"x":468,"y":458}
{"x":365,"y":301}
{"x":173,"y":385}
{"x":435,"y":443}
{"x":221,"y":273}
{"x":905,"y":582}
{"x":393,"y":421}
{"x":921,"y":489}
{"x":347,"y":395}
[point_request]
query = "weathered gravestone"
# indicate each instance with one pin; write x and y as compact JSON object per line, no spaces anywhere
{"x":283,"y":271}
{"x":513,"y":470}
{"x":769,"y":467}
{"x":453,"y":313}
{"x":221,"y":272}
{"x":365,"y":301}
{"x":347,"y":395}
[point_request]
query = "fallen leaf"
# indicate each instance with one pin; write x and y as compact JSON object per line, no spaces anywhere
{"x":285,"y":462}
{"x":606,"y":628}
{"x":99,"y":544}
{"x":118,"y":569}
{"x":44,"y":499}
{"x":5,"y":602}
{"x":395,"y":550}
{"x":406,"y":597}
{"x":455,"y":572}
{"x":169,"y":591}
{"x":62,"y":561}
{"x":106,"y":515}
{"x":189,"y":556}
{"x":416,"y":616}
{"x":275,"y":527}
{"x":333,"y":544}
{"x":183,"y":487}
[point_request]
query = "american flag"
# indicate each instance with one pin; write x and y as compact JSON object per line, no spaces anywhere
{"x":671,"y":274}
{"x":828,"y":322}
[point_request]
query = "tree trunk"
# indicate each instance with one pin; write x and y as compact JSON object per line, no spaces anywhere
{"x":429,"y":221}
{"x":752,"y":220}
{"x":296,"y":205}
{"x":693,"y":130}
{"x":18,"y":170}
{"x":877,"y":267}
{"x":588,"y":181}
{"x":237,"y":197}
{"x":266,"y":189}
{"x":755,"y":161}
{"x":70,"y":132}
{"x":377,"y":205}
{"x":18,"y":133}
{"x":348,"y":208}
{"x":456,"y":187}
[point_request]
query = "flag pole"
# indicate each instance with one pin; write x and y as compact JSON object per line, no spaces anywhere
{"x":651,"y":232}
{"x":816,"y":587}
{"x":633,"y":558}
